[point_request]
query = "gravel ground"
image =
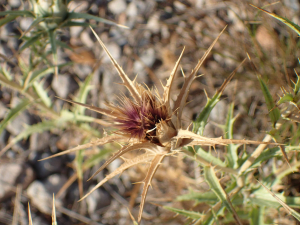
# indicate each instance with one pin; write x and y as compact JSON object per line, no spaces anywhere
{"x":158,"y":31}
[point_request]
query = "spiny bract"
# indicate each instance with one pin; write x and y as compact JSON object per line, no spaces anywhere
{"x":147,"y":121}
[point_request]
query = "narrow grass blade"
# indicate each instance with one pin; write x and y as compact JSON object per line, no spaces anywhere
{"x":213,"y":182}
{"x":5,"y":72}
{"x":42,"y":93}
{"x":274,"y":112}
{"x":186,"y":213}
{"x":18,"y":13}
{"x":13,"y":113}
{"x":30,"y":42}
{"x":232,"y":156}
{"x":7,"y":19}
{"x":74,"y":15}
{"x":287,"y":22}
{"x":32,"y":25}
{"x":257,"y":216}
{"x":76,"y":24}
{"x":52,"y":38}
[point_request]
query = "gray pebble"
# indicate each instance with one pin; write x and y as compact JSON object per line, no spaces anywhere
{"x":60,"y":85}
{"x":9,"y":172}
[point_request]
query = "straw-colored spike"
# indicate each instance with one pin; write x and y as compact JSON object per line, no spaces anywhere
{"x":105,"y":112}
{"x":127,"y":164}
{"x":147,"y":182}
{"x":147,"y":146}
{"x":101,"y":141}
{"x":167,"y":88}
{"x":181,"y":99}
{"x":127,"y":82}
{"x":29,"y":215}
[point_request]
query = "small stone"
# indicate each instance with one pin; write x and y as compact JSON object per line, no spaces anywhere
{"x":3,"y":110}
{"x":14,"y":3}
{"x":86,"y":39}
{"x":265,"y":39}
{"x":40,"y":197}
{"x":117,"y":6}
{"x":153,"y":23}
{"x":25,"y":23}
{"x":293,"y":4}
{"x":60,"y":85}
{"x":114,"y":50}
{"x":132,"y":10}
{"x":47,"y":167}
{"x":39,"y":141}
{"x":17,"y":125}
{"x":54,"y":183}
{"x":9,"y":172}
{"x":97,"y":200}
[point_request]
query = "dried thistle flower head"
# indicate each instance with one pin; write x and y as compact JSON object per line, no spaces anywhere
{"x":147,"y":121}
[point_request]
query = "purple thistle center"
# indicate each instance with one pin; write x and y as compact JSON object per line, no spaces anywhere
{"x":140,"y":119}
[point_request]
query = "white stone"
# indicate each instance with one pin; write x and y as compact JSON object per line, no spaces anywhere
{"x":117,"y":6}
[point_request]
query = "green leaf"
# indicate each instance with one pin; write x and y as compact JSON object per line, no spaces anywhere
{"x":84,"y":89}
{"x":232,"y":156}
{"x":7,"y":19}
{"x":52,"y":38}
{"x":257,"y":216}
{"x":189,"y":214}
{"x":30,"y":42}
{"x":43,"y":72}
{"x":286,"y":98}
{"x":287,"y":22}
{"x":206,"y":197}
{"x":33,"y":24}
{"x":5,"y":72}
{"x":17,"y":13}
{"x":201,"y":121}
{"x":274,"y":112}
{"x":13,"y":113}
{"x":74,"y":15}
{"x":42,"y":93}
{"x":213,"y":182}
{"x":76,"y":24}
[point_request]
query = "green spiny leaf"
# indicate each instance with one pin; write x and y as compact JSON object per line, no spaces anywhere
{"x":257,"y":216}
{"x":274,"y":112}
{"x":201,"y":121}
{"x":30,"y":42}
{"x":13,"y":113}
{"x":213,"y":182}
{"x":231,"y":148}
{"x":42,"y":93}
{"x":84,"y":89}
{"x":189,"y":214}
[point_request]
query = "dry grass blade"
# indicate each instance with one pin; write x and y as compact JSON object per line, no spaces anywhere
{"x":168,"y":86}
{"x":17,"y":205}
{"x":127,"y":82}
{"x":181,"y":99}
{"x":105,"y":112}
{"x":127,"y":164}
{"x":147,"y":182}
{"x":101,"y":141}
{"x":147,"y":146}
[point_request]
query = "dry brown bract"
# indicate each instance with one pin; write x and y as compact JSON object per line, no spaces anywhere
{"x":147,"y":121}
